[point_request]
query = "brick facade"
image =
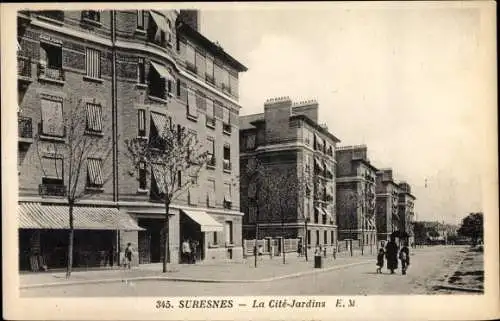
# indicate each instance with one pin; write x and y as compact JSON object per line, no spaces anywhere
{"x":73,"y":34}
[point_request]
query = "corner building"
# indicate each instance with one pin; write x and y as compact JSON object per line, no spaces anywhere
{"x":137,"y":70}
{"x":406,"y":210}
{"x":287,"y":136}
{"x":356,"y":195}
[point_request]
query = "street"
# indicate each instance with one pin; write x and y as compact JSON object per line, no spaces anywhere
{"x":427,"y":265}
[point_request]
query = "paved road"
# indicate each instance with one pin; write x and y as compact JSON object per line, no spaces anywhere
{"x":426,"y":265}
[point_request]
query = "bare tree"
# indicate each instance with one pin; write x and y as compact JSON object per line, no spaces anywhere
{"x":175,"y":157}
{"x":74,"y":151}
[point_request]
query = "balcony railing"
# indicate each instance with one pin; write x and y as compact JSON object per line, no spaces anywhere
{"x":53,"y":14}
{"x":52,"y":189}
{"x":24,"y":67}
{"x":25,"y":127}
{"x":54,"y":73}
{"x":210,"y":79}
{"x":226,"y":165}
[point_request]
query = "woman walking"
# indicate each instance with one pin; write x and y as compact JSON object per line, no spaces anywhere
{"x":391,"y":254}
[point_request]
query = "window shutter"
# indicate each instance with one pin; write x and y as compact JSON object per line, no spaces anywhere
{"x":192,"y":109}
{"x":52,"y":117}
{"x":210,"y":108}
{"x":184,"y":93}
{"x":218,"y":110}
{"x":201,"y":103}
{"x":200,"y":64}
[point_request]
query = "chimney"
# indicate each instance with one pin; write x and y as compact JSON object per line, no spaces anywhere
{"x":277,"y":112}
{"x":191,"y":18}
{"x":308,"y":108}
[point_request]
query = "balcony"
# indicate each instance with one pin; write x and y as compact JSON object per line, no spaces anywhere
{"x":226,"y":128}
{"x":24,"y":16}
{"x":210,"y":122}
{"x":53,"y":74}
{"x":24,"y":74}
{"x":211,"y":162}
{"x":210,"y":79}
{"x":190,"y":67}
{"x":226,"y":165}
{"x":92,"y":17}
{"x":25,"y":130}
{"x":52,"y":190}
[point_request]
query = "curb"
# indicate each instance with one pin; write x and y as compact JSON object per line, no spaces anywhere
{"x":174,"y":279}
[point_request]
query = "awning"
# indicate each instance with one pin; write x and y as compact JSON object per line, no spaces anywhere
{"x":160,"y":121}
{"x":37,"y":216}
{"x":317,"y":162}
{"x":159,"y":20}
{"x":206,"y":222}
{"x":158,"y":172}
{"x":162,"y":70}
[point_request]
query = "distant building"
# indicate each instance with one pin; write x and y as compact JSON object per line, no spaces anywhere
{"x":406,"y":210}
{"x":356,"y":197}
{"x":387,"y":202}
{"x":287,"y":137}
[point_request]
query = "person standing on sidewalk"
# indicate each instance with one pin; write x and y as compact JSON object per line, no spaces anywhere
{"x":128,"y":255}
{"x":186,"y":251}
{"x":404,"y":256}
{"x":299,"y":248}
{"x":380,"y":260}
{"x":391,"y":254}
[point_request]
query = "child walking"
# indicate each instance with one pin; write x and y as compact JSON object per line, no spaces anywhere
{"x":380,"y":260}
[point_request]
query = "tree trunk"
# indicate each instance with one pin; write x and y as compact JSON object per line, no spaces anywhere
{"x":166,"y":237}
{"x":283,"y":240}
{"x":70,"y":241}
{"x":255,"y":246}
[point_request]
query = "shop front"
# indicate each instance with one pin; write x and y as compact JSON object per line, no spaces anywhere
{"x":44,"y":236}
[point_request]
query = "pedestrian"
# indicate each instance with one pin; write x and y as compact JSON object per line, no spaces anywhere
{"x":380,"y":260}
{"x":261,"y":251}
{"x":128,"y":255}
{"x":299,"y":248}
{"x":186,"y":251}
{"x":404,"y":256}
{"x":391,"y":254}
{"x":194,"y":250}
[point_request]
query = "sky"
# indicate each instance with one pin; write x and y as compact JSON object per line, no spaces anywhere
{"x":407,"y":82}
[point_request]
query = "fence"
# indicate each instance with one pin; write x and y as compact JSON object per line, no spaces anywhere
{"x":270,"y":244}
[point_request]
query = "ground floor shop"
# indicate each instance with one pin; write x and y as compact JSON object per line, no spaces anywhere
{"x":44,"y":236}
{"x":193,"y":235}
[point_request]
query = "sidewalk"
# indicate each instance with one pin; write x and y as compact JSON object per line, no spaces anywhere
{"x":267,"y":270}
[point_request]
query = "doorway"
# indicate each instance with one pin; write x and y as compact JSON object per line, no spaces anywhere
{"x":150,"y":241}
{"x":191,"y":231}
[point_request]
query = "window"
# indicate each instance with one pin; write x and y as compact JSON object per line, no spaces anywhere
{"x":225,"y":81}
{"x":316,"y":215}
{"x":214,"y":238}
{"x":52,"y":14}
{"x":218,"y":75}
{"x":52,"y":118}
{"x":157,"y":28}
{"x":226,"y":121}
{"x":140,"y":19}
{"x":317,"y":237}
{"x":141,"y":71}
{"x":250,"y":141}
{"x":332,"y":237}
{"x":308,"y":237}
{"x":52,"y":179}
{"x":211,"y":152}
{"x":227,"y":158}
{"x":227,"y":196}
{"x":192,"y":110}
{"x":169,"y":32}
{"x":142,"y":176}
{"x":94,"y":173}
{"x":91,"y":15}
{"x":53,"y":170}
{"x":158,"y":75}
{"x":252,"y":214}
{"x":325,"y":237}
{"x":157,"y":130}
{"x":178,"y":88}
{"x":200,"y":64}
{"x":211,"y":193}
{"x":141,"y":123}
{"x":50,"y":66}
{"x":94,"y":118}
{"x":93,"y":63}
{"x":210,"y":122}
{"x":209,"y":70}
{"x":179,"y":179}
{"x":190,"y":58}
{"x":233,"y":85}
{"x":229,"y":232}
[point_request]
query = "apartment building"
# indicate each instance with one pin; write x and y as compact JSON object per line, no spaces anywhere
{"x":288,"y":142}
{"x":132,"y":71}
{"x":387,"y":204}
{"x":356,"y":197}
{"x":406,"y":210}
